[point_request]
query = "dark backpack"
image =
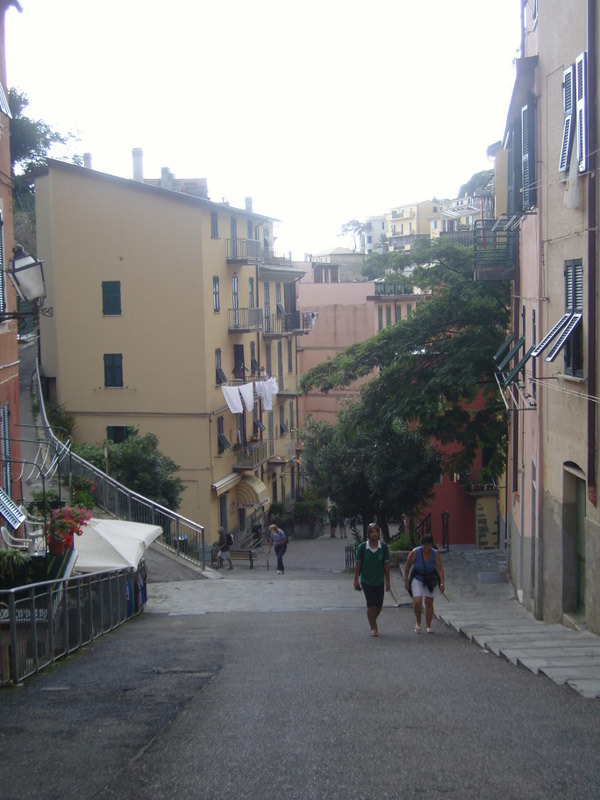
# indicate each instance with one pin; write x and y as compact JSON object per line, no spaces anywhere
{"x":230,"y":539}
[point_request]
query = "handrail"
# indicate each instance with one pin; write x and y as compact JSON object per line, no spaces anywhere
{"x":181,"y":534}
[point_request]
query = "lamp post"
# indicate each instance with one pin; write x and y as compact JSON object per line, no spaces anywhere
{"x":26,"y":274}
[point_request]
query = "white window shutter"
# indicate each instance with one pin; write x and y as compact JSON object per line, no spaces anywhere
{"x":580,"y":104}
{"x":568,"y":111}
{"x":525,"y":171}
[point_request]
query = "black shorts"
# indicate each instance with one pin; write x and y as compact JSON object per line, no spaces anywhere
{"x":373,"y":595}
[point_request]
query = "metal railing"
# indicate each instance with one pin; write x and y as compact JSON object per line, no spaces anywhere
{"x":44,"y":622}
{"x":179,"y":533}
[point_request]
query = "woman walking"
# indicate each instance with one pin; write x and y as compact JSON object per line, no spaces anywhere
{"x":424,"y":571}
{"x":278,"y":538}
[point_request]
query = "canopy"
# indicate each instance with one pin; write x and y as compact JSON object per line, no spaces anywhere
{"x":112,"y":544}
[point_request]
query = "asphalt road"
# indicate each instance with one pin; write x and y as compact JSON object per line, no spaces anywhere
{"x":302,"y":704}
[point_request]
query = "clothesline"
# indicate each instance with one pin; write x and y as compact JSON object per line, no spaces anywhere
{"x":265,"y":391}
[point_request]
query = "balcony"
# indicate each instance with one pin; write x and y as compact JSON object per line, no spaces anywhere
{"x":245,"y":320}
{"x":250,"y":251}
{"x":282,"y":322}
{"x":243,"y":251}
{"x":392,"y":289}
{"x":251,"y":456}
{"x":495,"y":243}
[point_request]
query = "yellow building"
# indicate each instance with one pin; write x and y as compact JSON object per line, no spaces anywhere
{"x":173,"y":315}
{"x":406,"y":224}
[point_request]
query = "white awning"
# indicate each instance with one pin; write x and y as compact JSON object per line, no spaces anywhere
{"x":226,"y":483}
{"x":112,"y":544}
{"x":252,"y":493}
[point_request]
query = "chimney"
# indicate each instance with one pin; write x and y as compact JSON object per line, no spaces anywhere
{"x":137,"y":155}
{"x":87,"y":160}
{"x":248,"y":202}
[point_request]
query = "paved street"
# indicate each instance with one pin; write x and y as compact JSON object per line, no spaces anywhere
{"x":253,"y":685}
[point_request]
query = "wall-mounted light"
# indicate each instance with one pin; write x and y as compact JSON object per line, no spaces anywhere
{"x":26,"y":274}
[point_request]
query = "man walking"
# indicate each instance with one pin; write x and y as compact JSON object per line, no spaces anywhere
{"x":371,"y":569}
{"x":224,"y":545}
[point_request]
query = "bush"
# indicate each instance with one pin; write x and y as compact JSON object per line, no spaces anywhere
{"x":83,"y":492}
{"x":42,"y":503}
{"x":401,"y":543}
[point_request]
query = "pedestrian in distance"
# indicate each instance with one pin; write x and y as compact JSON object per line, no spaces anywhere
{"x":372,"y":573}
{"x":278,"y":539}
{"x":225,"y":542}
{"x":332,"y":514}
{"x":423,"y":574}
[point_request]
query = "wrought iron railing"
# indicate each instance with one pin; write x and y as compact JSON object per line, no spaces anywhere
{"x":43,"y":622}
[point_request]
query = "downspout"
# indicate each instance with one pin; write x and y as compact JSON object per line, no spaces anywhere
{"x":592,"y":251}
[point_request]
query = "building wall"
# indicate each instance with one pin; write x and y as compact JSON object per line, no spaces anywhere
{"x":9,"y":357}
{"x":158,"y":245}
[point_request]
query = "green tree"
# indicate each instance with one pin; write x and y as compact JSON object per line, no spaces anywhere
{"x":371,"y":467}
{"x":353,"y":228}
{"x":139,"y":465}
{"x":30,"y":142}
{"x":435,"y":367}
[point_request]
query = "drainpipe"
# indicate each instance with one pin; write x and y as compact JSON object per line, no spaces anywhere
{"x":592,"y":251}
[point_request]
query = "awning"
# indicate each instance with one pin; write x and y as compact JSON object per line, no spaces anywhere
{"x":252,"y":493}
{"x":226,"y":483}
{"x":107,"y":544}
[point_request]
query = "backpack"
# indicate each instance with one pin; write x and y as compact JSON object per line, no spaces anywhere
{"x":230,"y":539}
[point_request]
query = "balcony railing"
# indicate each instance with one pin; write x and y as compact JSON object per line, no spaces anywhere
{"x":242,"y":320}
{"x":250,"y":251}
{"x":389,"y":289}
{"x":278,"y":324}
{"x":495,"y":246}
{"x":251,"y":456}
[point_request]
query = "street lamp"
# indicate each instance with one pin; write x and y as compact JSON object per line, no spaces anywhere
{"x":27,"y":276}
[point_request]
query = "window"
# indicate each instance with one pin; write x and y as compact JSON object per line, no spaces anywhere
{"x":567,"y":334}
{"x":214,"y":225}
{"x":249,"y":229}
{"x":580,"y":105}
{"x":574,"y":95}
{"x":268,"y":359}
{"x":111,"y":298}
{"x":113,"y":370}
{"x":223,"y":442}
{"x":254,"y":365}
{"x":290,"y":355}
{"x":528,"y":176}
{"x":236,"y":300}
{"x":250,"y":292}
{"x":216,"y":297}
{"x":267,"y":296}
{"x":117,"y":433}
{"x":220,"y":375}
{"x":239,"y":367}
{"x":568,"y":85}
{"x":379,"y":318}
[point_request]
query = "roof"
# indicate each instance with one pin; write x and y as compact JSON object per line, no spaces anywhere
{"x":130,"y":183}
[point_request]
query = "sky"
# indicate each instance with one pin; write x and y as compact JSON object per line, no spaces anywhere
{"x":322,"y":111}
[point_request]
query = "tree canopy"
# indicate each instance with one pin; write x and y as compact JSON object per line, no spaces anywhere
{"x":373,"y":468}
{"x":138,"y":464}
{"x":353,"y":228}
{"x":30,"y":142}
{"x":435,"y":369}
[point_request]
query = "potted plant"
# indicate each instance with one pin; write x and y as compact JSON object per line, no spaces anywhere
{"x":64,"y":524}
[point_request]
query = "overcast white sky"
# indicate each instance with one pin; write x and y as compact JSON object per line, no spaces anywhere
{"x":322,"y":111}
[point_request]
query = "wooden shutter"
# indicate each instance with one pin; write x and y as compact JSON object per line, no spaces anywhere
{"x":568,"y":109}
{"x":580,"y":104}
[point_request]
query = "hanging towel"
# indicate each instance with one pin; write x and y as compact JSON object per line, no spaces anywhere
{"x":247,"y":392}
{"x":233,"y":399}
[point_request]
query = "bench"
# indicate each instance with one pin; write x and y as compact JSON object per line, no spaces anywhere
{"x":236,"y":555}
